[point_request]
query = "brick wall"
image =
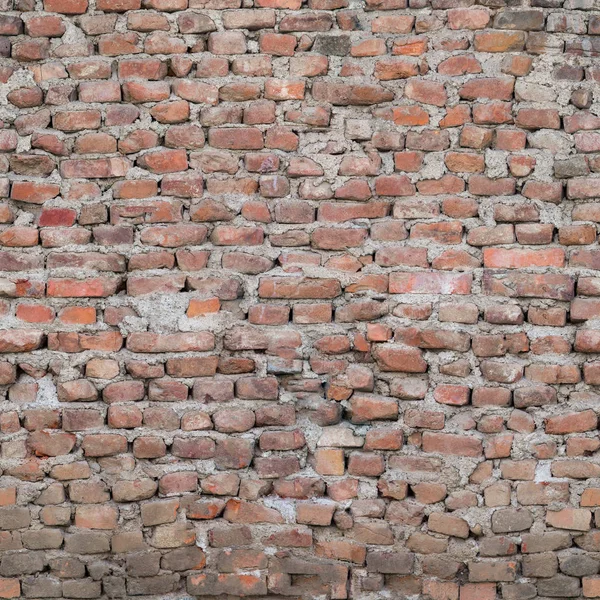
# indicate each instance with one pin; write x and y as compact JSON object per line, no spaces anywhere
{"x":299,"y":299}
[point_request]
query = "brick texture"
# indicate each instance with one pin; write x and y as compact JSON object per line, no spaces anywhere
{"x":299,"y":299}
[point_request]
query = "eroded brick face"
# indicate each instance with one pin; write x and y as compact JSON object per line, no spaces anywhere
{"x":299,"y":299}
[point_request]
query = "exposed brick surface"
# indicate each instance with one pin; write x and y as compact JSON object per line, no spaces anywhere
{"x":299,"y":299}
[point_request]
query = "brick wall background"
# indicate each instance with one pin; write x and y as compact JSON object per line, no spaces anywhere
{"x":299,"y":299}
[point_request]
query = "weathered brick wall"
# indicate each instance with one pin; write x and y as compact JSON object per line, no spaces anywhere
{"x":299,"y":299}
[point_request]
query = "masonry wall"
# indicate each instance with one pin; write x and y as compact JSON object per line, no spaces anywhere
{"x":299,"y":300}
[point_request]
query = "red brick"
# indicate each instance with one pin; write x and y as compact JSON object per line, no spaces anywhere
{"x":444,"y":443}
{"x":67,"y":7}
